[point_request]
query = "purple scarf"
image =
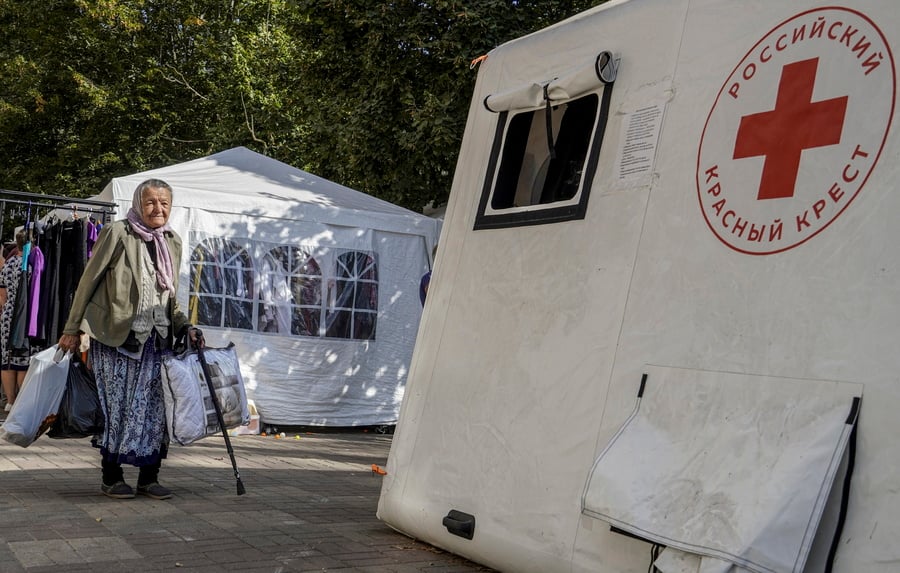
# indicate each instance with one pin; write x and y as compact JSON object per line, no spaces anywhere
{"x":163,"y":262}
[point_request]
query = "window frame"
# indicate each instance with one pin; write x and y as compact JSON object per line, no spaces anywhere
{"x":355,"y":280}
{"x":227,"y":267}
{"x":293,"y":274}
{"x":539,"y":214}
{"x":328,"y":262}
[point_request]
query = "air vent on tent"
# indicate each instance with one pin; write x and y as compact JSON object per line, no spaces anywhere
{"x":459,"y":523}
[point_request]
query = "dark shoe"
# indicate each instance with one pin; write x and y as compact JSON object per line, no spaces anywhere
{"x":118,"y":490}
{"x":155,"y":491}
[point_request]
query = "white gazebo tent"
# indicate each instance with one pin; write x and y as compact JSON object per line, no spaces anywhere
{"x":315,"y":283}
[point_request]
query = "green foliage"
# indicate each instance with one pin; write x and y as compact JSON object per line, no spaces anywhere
{"x":371,"y":94}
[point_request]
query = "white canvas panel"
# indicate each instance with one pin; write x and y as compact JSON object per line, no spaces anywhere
{"x":725,"y":465}
{"x":513,"y":358}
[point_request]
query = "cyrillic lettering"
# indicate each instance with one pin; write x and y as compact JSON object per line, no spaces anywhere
{"x":871,"y":64}
{"x":848,"y":35}
{"x":739,"y":227}
{"x":733,"y":90}
{"x":765,"y":56}
{"x":818,"y":27}
{"x":775,"y":230}
{"x":818,"y":207}
{"x":718,"y":206}
{"x":836,"y":193}
{"x":726,"y":216}
{"x":781,"y":43}
{"x":848,"y":178}
{"x":802,"y":222}
{"x":799,"y":35}
{"x":861,"y":47}
{"x":831,"y":35}
{"x":749,"y":71}
{"x":712,"y":173}
{"x":756,"y":234}
{"x":858,"y":153}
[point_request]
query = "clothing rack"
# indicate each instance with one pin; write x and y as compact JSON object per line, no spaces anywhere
{"x":104,"y":209}
{"x":52,"y":261}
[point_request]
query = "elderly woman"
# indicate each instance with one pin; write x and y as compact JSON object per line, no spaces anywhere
{"x":125,"y":302}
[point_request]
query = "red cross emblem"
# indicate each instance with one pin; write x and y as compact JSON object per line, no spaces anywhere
{"x":796,"y":130}
{"x":796,"y":123}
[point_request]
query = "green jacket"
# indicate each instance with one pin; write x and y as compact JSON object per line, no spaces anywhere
{"x":107,"y":297}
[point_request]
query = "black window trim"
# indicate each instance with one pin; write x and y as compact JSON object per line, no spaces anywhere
{"x":549,"y":214}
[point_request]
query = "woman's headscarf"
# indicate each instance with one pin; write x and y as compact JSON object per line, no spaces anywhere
{"x":163,"y":260}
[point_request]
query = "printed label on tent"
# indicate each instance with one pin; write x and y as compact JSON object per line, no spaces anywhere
{"x":640,"y":134}
{"x":796,"y":130}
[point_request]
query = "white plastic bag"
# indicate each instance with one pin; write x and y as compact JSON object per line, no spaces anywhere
{"x":38,"y":401}
{"x":190,"y":413}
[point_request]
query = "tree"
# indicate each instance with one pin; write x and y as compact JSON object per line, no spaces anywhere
{"x":397,"y":112}
{"x":93,"y":89}
{"x":373,"y":95}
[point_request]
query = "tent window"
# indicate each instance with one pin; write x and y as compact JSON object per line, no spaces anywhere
{"x":283,"y":289}
{"x":290,"y":292}
{"x":353,"y":297}
{"x":221,"y":285}
{"x":543,"y":162}
{"x":529,"y":174}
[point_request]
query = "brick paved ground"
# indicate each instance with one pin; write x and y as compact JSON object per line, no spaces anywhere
{"x":310,"y":506}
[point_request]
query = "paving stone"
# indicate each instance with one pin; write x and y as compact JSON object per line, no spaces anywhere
{"x":309,"y":506}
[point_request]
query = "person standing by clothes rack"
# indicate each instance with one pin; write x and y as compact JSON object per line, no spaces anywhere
{"x":125,"y":302}
{"x":13,"y":361}
{"x":4,"y":253}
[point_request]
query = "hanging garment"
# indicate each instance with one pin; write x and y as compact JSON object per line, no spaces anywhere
{"x":92,"y":229}
{"x":48,"y":321}
{"x":18,"y":340}
{"x":35,"y":274}
{"x":72,"y":259}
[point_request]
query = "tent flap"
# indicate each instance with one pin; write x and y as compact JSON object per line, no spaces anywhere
{"x":733,"y":467}
{"x":587,"y":78}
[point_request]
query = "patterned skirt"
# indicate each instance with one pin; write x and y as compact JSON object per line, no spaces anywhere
{"x":131,"y":396}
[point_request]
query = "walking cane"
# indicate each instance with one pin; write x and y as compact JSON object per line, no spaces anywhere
{"x":200,"y":343}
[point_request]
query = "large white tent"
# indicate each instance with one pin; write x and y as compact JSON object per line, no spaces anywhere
{"x":315,"y":283}
{"x":668,"y":275}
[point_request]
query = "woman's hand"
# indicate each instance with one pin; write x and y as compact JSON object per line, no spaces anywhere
{"x":196,"y":337}
{"x":70,"y":342}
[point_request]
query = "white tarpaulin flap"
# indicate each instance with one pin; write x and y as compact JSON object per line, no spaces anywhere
{"x":565,"y":87}
{"x":675,"y":561}
{"x":730,"y":466}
